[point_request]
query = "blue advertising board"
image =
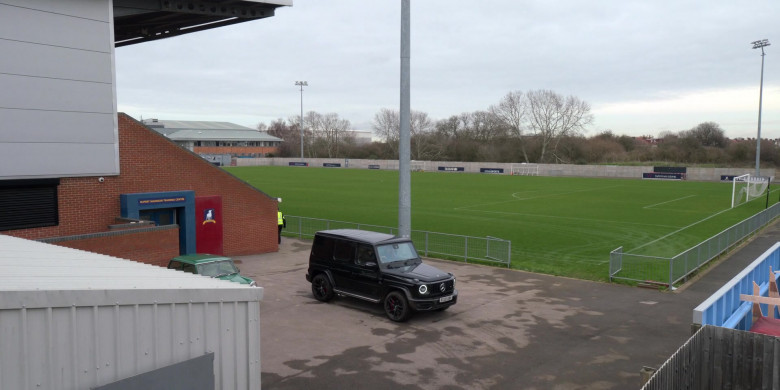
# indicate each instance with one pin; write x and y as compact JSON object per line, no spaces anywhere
{"x":666,"y":176}
{"x":298,"y":164}
{"x":491,"y":170}
{"x":373,"y":166}
{"x":331,"y":165}
{"x":452,"y":169}
{"x":727,"y":177}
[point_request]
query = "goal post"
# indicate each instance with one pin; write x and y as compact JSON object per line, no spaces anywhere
{"x":747,"y":187}
{"x":525,"y":169}
{"x":417,"y":166}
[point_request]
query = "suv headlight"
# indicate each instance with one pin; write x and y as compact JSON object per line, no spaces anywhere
{"x":423,"y":289}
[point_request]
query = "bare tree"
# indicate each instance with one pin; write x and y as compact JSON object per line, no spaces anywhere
{"x":328,"y":130}
{"x":288,"y":131}
{"x":487,"y":127}
{"x":386,"y":125}
{"x":552,"y":117}
{"x":707,"y":134}
{"x":423,"y":145}
{"x":511,"y":110}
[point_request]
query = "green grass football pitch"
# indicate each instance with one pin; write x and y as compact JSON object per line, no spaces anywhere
{"x":557,"y":225}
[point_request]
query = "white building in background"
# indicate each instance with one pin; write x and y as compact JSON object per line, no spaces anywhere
{"x":362,"y":137}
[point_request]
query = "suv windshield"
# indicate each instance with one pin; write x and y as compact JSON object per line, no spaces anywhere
{"x":217,"y":268}
{"x":396,"y":252}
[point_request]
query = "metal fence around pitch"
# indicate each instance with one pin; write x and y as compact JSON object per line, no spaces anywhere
{"x":428,"y":244}
{"x":670,"y":270}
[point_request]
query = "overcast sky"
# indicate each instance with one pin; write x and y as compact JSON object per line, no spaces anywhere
{"x":644,"y":66}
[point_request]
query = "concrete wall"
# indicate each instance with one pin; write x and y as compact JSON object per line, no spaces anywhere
{"x":57,"y":94}
{"x":570,"y":170}
{"x":152,"y":163}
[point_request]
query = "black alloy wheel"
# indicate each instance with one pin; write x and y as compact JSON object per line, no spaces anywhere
{"x":321,"y":288}
{"x":396,"y":306}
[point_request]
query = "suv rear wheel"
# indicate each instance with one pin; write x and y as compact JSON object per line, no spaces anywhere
{"x":396,"y":306}
{"x":321,"y":288}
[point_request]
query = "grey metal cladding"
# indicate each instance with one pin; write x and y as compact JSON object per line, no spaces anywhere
{"x":35,"y":93}
{"x":84,"y":9}
{"x":34,"y":159}
{"x":55,"y":62}
{"x":45,"y":126}
{"x":53,"y":29}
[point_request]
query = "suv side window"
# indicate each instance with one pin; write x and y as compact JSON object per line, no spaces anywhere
{"x":344,"y":251}
{"x":322,"y":248}
{"x":365,"y":254}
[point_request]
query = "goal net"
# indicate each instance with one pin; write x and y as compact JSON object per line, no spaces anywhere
{"x":748,"y":187}
{"x":417,"y":166}
{"x":525,"y":169}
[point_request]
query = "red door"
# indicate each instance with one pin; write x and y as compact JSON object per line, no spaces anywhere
{"x":208,"y":224}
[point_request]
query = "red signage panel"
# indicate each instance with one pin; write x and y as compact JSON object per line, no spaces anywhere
{"x":208,"y":224}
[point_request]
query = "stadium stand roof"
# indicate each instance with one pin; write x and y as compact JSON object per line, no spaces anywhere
{"x":137,"y":21}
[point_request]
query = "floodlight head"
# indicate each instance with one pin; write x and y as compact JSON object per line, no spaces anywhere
{"x":302,"y":83}
{"x":760,"y":44}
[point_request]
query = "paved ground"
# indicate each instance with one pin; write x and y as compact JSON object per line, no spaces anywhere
{"x":509,"y":329}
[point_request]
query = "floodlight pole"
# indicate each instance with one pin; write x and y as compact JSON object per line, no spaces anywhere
{"x":302,"y":84}
{"x":756,"y":45}
{"x":404,"y":147}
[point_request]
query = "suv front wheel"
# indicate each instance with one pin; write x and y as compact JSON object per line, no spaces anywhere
{"x":321,"y":288}
{"x":397,"y":307}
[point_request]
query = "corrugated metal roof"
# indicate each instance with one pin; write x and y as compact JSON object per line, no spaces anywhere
{"x":220,"y":135}
{"x":199,"y":125}
{"x":207,"y":131}
{"x":27,"y":265}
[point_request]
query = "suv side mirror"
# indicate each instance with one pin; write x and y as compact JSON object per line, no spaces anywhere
{"x":371,"y":264}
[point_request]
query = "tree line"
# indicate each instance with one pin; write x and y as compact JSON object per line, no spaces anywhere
{"x":538,"y":126}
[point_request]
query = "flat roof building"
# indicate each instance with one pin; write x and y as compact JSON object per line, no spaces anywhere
{"x":208,"y":138}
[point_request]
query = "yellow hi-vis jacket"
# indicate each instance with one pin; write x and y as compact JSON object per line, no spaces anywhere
{"x":280,"y":218}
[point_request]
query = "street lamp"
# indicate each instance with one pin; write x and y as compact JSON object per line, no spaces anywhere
{"x":756,"y":45}
{"x":302,"y":84}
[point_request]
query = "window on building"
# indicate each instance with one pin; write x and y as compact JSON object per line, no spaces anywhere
{"x":26,"y":204}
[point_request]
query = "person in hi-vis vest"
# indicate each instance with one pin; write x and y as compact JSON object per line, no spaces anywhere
{"x":281,"y":221}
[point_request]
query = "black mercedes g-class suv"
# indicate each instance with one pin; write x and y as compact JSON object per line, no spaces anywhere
{"x":377,"y":267}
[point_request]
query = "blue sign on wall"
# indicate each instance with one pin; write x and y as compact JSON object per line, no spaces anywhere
{"x":452,"y":169}
{"x":727,"y":177}
{"x":373,"y":166}
{"x":667,"y":176}
{"x":298,"y":164}
{"x":170,"y":201}
{"x":491,"y":170}
{"x":331,"y":165}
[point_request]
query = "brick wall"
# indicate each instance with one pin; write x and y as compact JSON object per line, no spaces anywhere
{"x":152,"y":247}
{"x":149,"y":162}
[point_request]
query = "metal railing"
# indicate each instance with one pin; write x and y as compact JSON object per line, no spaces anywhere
{"x":670,"y":270}
{"x":429,"y":244}
{"x":717,"y":358}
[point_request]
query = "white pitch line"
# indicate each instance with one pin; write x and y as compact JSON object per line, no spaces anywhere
{"x":571,"y":218}
{"x":515,"y":198}
{"x":668,"y":201}
{"x":678,"y":230}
